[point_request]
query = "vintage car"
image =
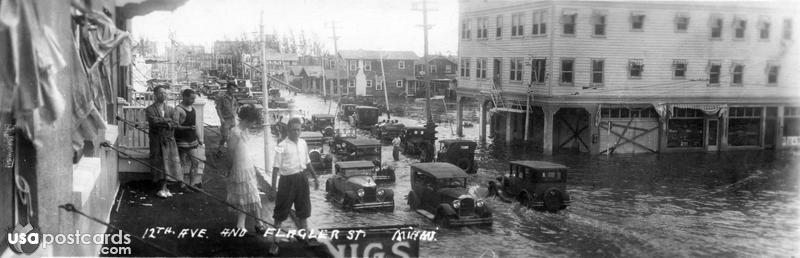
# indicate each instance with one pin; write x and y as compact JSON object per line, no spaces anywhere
{"x":350,"y":148}
{"x":365,"y":117}
{"x":540,"y":185}
{"x":439,"y":192}
{"x":316,"y":153}
{"x":274,"y":93}
{"x":388,"y":130}
{"x":346,"y":111}
{"x":323,"y":123}
{"x":458,"y":152}
{"x":354,"y":187}
{"x":278,"y":102}
{"x":412,"y":141}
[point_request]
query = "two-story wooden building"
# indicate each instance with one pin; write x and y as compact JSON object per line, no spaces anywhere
{"x":633,"y":76}
{"x":398,"y":68}
{"x":440,"y":71}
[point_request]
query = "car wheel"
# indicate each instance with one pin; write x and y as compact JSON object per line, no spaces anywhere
{"x":441,"y":219}
{"x":413,"y":202}
{"x":465,"y":164}
{"x":525,"y":200}
{"x":347,"y":204}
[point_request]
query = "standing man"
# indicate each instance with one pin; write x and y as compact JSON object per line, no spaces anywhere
{"x":162,"y":121}
{"x":226,"y":110}
{"x":190,"y":146}
{"x":291,"y":160}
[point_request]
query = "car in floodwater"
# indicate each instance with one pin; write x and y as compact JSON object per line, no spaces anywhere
{"x":439,"y":192}
{"x":347,"y":149}
{"x":354,"y":187}
{"x":539,"y":185}
{"x":387,"y":130}
{"x":412,"y":141}
{"x":365,"y":117}
{"x":458,"y":152}
{"x":316,"y":141}
{"x":323,"y":123}
{"x":346,"y":112}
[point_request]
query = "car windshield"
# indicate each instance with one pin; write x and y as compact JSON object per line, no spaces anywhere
{"x":370,"y":150}
{"x":367,"y":171}
{"x":452,"y":182}
{"x":550,"y":175}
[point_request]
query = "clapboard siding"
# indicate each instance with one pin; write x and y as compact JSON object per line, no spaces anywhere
{"x":658,"y":44}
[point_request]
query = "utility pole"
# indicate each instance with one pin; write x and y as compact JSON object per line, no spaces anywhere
{"x":385,"y":90}
{"x":430,"y":126}
{"x":335,"y":56}
{"x":265,"y":102}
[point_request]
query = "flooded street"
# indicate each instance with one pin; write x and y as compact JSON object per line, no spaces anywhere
{"x":737,"y":203}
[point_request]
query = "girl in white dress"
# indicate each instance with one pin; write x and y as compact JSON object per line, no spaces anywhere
{"x":242,"y":186}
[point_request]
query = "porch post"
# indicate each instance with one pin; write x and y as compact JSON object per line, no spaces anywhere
{"x":779,"y":128}
{"x":547,"y":136}
{"x":459,"y":116}
{"x":482,"y":121}
{"x":509,"y":131}
{"x":594,"y":129}
{"x":723,"y":132}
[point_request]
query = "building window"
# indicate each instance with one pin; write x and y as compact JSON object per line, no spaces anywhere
{"x":567,"y":70}
{"x":737,"y":72}
{"x":539,"y":23}
{"x":369,"y":83}
{"x":791,"y":121}
{"x":401,"y":65}
{"x":568,"y":18}
{"x":351,"y":84}
{"x":464,"y":67}
{"x":448,"y":68}
{"x":538,"y":70}
{"x":332,"y":64}
{"x":739,"y":26}
{"x":480,"y":68}
{"x":772,"y":74}
{"x":517,"y":29}
{"x":353,"y":65}
{"x":685,"y":128}
{"x":398,"y":83}
{"x":635,"y":68}
{"x":597,"y":71}
{"x":628,"y":113}
{"x":744,"y":126}
{"x":466,"y":28}
{"x":763,"y":28}
{"x":499,"y":27}
{"x":681,"y":22}
{"x":483,"y":29}
{"x":515,"y":69}
{"x":378,"y":85}
{"x":787,"y":29}
{"x":714,"y":68}
{"x":637,"y":21}
{"x":679,"y":68}
{"x":716,"y":27}
{"x":432,"y":68}
{"x":599,"y":23}
{"x":367,"y":65}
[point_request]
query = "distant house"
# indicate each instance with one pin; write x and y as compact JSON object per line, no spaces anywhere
{"x":441,"y":71}
{"x":397,"y":65}
{"x":306,"y":77}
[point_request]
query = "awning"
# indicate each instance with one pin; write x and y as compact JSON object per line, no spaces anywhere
{"x":129,"y":9}
{"x":708,"y":109}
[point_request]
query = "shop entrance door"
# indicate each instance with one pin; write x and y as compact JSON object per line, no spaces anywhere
{"x":712,"y":137}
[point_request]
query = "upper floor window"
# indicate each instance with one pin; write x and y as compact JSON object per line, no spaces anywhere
{"x":716,"y":27}
{"x":517,"y":29}
{"x":597,"y":71}
{"x":599,"y":23}
{"x":539,"y":23}
{"x":401,"y":64}
{"x":353,"y":65}
{"x":379,"y":84}
{"x":538,"y":70}
{"x":367,"y":65}
{"x":739,"y":26}
{"x":398,"y":83}
{"x":466,"y":28}
{"x":483,"y":29}
{"x":568,"y":17}
{"x":332,"y":64}
{"x":515,"y":69}
{"x":433,"y":68}
{"x":635,"y":68}
{"x":499,"y":27}
{"x":351,"y":84}
{"x":448,"y":68}
{"x":714,"y":68}
{"x":772,"y":74}
{"x":369,"y":83}
{"x":763,"y":28}
{"x":567,"y":70}
{"x":681,"y":22}
{"x":464,"y":67}
{"x":480,"y":68}
{"x":787,"y":29}
{"x":637,"y":21}
{"x":679,"y":68}
{"x":737,"y":72}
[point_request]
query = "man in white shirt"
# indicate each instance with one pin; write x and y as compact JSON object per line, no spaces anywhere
{"x":291,"y":160}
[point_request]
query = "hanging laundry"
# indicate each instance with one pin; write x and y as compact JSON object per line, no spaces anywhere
{"x":106,"y":37}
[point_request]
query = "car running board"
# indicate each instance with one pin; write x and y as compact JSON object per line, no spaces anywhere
{"x":425,"y":213}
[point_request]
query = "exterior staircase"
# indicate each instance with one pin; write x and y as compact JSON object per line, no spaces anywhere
{"x":502,"y":105}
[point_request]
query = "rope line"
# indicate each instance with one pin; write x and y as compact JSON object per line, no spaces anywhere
{"x":168,"y":137}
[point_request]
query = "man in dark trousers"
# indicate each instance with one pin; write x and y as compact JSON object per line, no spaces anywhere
{"x":226,"y":110}
{"x":291,"y":160}
{"x":162,"y":120}
{"x":190,"y":146}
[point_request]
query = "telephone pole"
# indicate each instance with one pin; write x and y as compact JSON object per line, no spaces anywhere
{"x":430,"y":126}
{"x":265,"y":102}
{"x":335,"y":38}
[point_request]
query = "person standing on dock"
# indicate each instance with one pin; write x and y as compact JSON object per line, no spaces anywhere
{"x":291,"y":160}
{"x":162,"y":121}
{"x":190,"y":146}
{"x":226,"y":110}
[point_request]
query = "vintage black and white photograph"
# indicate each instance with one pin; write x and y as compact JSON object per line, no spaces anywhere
{"x":399,"y":128}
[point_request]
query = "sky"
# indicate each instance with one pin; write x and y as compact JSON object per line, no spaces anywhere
{"x":360,"y":24}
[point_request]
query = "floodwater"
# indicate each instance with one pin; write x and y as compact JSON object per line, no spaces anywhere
{"x":739,"y":203}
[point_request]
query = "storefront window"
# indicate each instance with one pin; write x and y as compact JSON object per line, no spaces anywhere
{"x":791,"y":121}
{"x":744,"y":126}
{"x":685,"y":128}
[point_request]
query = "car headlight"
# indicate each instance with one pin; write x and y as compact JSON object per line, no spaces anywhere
{"x":381,"y":191}
{"x":360,"y":192}
{"x":479,"y":203}
{"x":456,"y":203}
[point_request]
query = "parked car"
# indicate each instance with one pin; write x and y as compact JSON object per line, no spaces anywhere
{"x":347,"y":149}
{"x":439,"y":192}
{"x":388,"y":130}
{"x":412,"y":141}
{"x":316,"y":153}
{"x":354,"y":187}
{"x":346,"y":112}
{"x":458,"y":152}
{"x":365,"y":117}
{"x":323,"y":123}
{"x":540,"y":185}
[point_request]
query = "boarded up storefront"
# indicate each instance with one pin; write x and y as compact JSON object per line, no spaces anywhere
{"x":628,"y":130}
